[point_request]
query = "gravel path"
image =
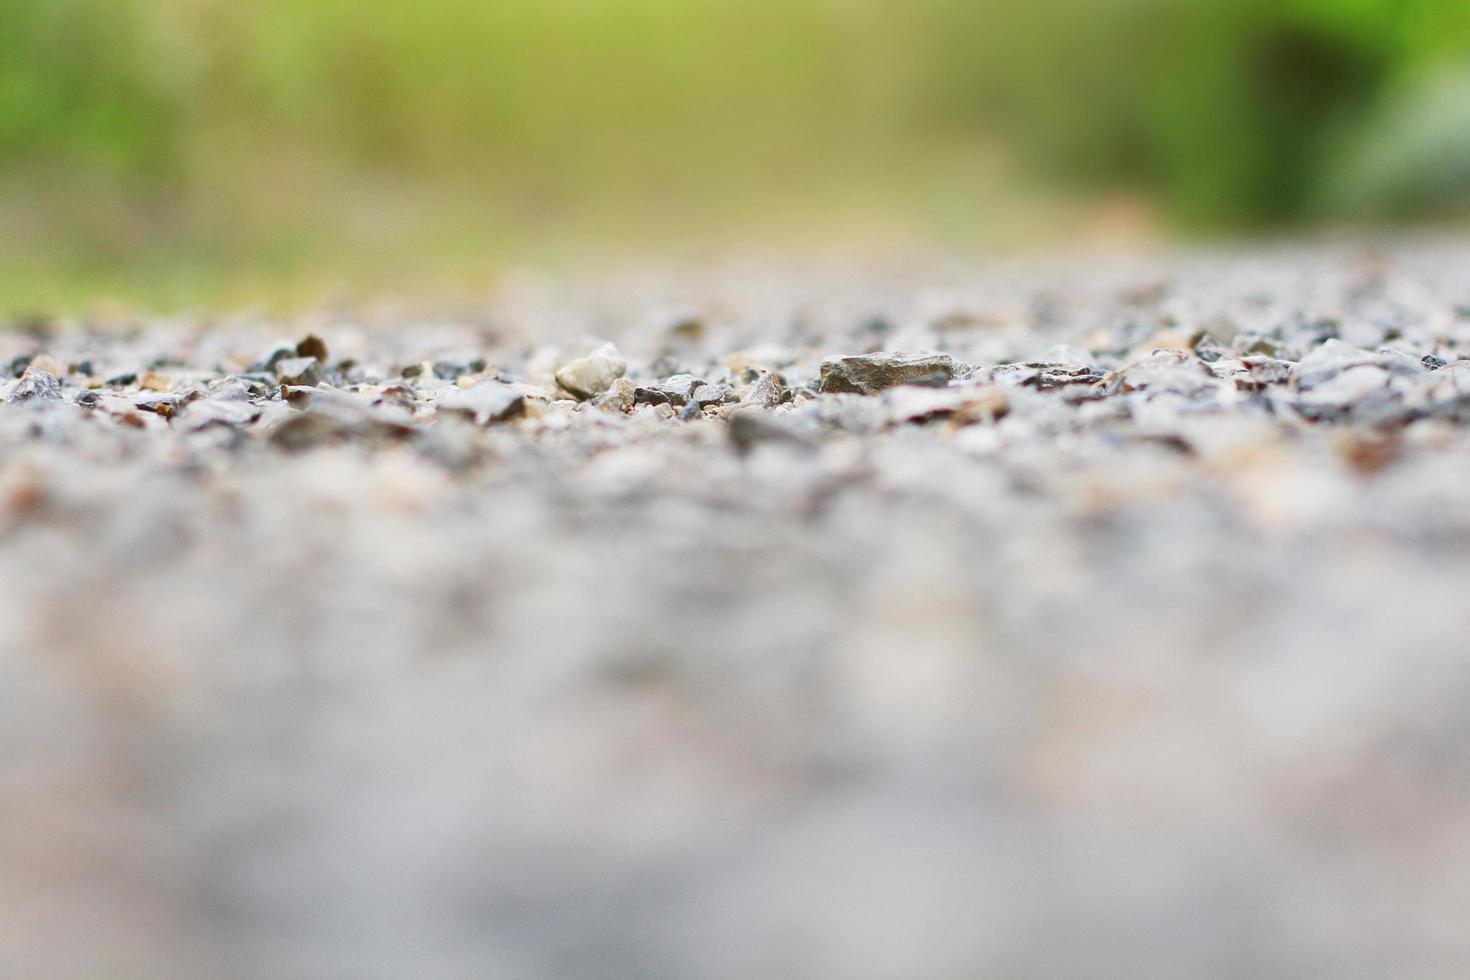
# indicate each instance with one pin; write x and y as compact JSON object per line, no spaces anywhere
{"x":894,"y":619}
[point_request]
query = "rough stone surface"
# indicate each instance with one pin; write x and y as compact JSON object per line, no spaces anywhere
{"x":867,"y":374}
{"x":486,"y":402}
{"x":766,"y":390}
{"x":298,"y":371}
{"x":1135,"y":647}
{"x":620,"y":397}
{"x":587,"y":377}
{"x":34,"y":386}
{"x":675,"y":390}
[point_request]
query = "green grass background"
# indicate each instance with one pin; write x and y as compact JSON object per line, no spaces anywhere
{"x":178,"y":150}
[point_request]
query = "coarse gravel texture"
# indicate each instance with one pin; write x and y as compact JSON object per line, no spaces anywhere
{"x":590,"y":637}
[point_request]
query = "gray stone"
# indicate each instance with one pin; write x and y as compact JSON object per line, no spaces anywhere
{"x":452,"y":370}
{"x":587,"y":377}
{"x":1172,"y":371}
{"x":487,"y":402}
{"x":34,"y":386}
{"x":867,"y":374}
{"x":675,"y":390}
{"x":299,"y":371}
{"x":207,"y":412}
{"x":706,"y":395}
{"x":766,"y":391}
{"x":621,"y":397}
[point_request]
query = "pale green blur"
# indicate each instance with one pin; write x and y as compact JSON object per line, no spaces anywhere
{"x":149,"y":146}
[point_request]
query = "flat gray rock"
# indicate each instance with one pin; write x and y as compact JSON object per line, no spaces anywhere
{"x":487,"y":402}
{"x":34,"y":386}
{"x":868,"y":374}
{"x":587,"y":377}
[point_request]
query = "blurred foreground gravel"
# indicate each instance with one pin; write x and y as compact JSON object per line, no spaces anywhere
{"x":589,"y":637}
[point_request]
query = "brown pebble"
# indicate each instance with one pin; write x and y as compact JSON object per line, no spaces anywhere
{"x":312,"y":346}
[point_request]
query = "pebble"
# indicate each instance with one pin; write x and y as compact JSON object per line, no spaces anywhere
{"x":675,"y":390}
{"x":453,"y":370}
{"x":487,"y":402}
{"x":587,"y":377}
{"x":706,"y":395}
{"x":620,"y":397}
{"x":312,"y":346}
{"x":298,"y":371}
{"x":766,"y":390}
{"x":34,"y":386}
{"x":867,"y":374}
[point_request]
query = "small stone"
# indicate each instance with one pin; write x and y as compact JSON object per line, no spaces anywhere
{"x":487,"y":402}
{"x":227,"y":412}
{"x":123,"y":380}
{"x":400,"y":396}
{"x":674,"y":390}
{"x":299,"y":371}
{"x":229,"y":389}
{"x":1325,"y":362}
{"x":706,"y":395}
{"x":620,"y":397}
{"x":166,"y":405}
{"x":587,"y":377}
{"x":1211,"y":350}
{"x":312,"y":346}
{"x":867,"y":374}
{"x":259,"y":386}
{"x":34,"y":386}
{"x":1358,"y":389}
{"x":450,"y":370}
{"x":766,"y":391}
{"x":1053,"y":374}
{"x":1264,"y":371}
{"x":1167,"y":370}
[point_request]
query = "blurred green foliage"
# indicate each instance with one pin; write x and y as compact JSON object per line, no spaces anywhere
{"x":215,"y":127}
{"x":1236,"y":113}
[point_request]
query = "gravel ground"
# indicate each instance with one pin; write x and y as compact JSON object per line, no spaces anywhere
{"x":890,"y":619}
